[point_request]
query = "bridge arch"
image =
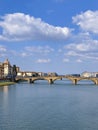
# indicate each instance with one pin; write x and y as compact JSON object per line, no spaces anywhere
{"x":95,"y":81}
{"x":57,"y":78}
{"x":40,"y":78}
{"x":21,"y":79}
{"x":72,"y":79}
{"x":49,"y":79}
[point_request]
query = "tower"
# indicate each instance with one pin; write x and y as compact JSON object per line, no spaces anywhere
{"x":7,"y":68}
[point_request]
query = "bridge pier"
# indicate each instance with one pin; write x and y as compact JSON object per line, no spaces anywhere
{"x":33,"y":81}
{"x":30,"y":80}
{"x":50,"y":81}
{"x":74,"y":81}
{"x":96,"y":82}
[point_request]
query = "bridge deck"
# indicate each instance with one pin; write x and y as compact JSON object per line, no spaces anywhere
{"x":51,"y":79}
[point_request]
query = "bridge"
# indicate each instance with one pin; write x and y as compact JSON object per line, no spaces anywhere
{"x":51,"y":79}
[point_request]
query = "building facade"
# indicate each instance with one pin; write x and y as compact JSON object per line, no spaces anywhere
{"x":27,"y":74}
{"x":6,"y":69}
{"x":89,"y":74}
{"x":1,"y":70}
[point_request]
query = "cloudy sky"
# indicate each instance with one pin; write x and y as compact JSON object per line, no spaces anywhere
{"x":50,"y":35}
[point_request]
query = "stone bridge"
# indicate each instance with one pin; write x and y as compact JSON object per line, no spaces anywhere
{"x":51,"y":79}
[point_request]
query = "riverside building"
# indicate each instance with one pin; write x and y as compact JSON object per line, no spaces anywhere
{"x":6,"y":69}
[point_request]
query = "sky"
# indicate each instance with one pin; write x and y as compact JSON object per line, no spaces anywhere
{"x":50,"y":35}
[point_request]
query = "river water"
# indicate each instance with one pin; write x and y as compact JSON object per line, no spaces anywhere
{"x":40,"y":106}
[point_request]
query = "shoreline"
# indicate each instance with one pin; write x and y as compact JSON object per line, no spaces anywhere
{"x":6,"y":83}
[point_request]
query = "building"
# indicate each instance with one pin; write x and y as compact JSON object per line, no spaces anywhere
{"x":89,"y":74}
{"x":6,"y":69}
{"x":27,"y":73}
{"x":42,"y":74}
{"x":17,"y":69}
{"x":1,"y":70}
{"x":52,"y":74}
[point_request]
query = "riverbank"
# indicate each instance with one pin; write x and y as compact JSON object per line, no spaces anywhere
{"x":6,"y":83}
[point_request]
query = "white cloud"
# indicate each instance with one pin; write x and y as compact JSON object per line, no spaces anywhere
{"x":79,"y":60}
{"x":2,"y":48}
{"x":3,"y":55}
{"x":65,"y":60}
{"x":85,"y":49}
{"x":24,"y":54}
{"x":84,"y":56}
{"x":84,"y":46}
{"x":19,"y":26}
{"x":3,"y":51}
{"x":71,"y":53}
{"x":79,"y":47}
{"x":39,"y":49}
{"x":43,"y":61}
{"x":60,"y":50}
{"x":88,"y":21}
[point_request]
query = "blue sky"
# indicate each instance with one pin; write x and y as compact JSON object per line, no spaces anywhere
{"x":50,"y":35}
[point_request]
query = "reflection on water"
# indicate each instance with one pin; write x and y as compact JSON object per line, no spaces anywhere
{"x":5,"y":94}
{"x":40,"y":106}
{"x":4,"y":99}
{"x":5,"y":90}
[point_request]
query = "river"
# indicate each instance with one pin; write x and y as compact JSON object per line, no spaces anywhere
{"x":40,"y":106}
